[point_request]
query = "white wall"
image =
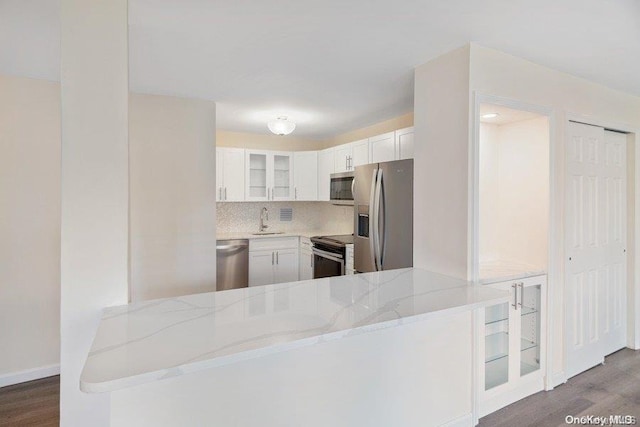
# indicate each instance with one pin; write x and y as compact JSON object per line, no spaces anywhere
{"x":30,"y":228}
{"x":441,"y":211}
{"x":95,"y":189}
{"x":172,"y":203}
{"x":514,"y":192}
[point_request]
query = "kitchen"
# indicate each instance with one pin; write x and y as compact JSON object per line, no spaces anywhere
{"x":304,"y":226}
{"x":504,"y":298}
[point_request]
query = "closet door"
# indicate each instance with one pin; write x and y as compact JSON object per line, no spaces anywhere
{"x":595,"y":226}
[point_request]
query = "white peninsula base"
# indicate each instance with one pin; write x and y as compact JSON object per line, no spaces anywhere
{"x":413,"y":375}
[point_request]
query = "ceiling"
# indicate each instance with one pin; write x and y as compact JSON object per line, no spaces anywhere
{"x":332,"y":66}
{"x":505,"y":115}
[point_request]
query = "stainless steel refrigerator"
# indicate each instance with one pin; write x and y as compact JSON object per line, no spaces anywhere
{"x":383,"y":211}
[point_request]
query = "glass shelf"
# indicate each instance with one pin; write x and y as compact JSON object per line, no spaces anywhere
{"x":528,"y":310}
{"x":526,"y":368}
{"x":526,"y":344}
{"x":492,"y":321}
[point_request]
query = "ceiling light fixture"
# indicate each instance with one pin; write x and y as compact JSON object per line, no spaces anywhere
{"x":490,"y":115}
{"x":281,"y":126}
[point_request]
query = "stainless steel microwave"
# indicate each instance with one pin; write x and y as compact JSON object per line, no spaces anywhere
{"x":341,"y":189}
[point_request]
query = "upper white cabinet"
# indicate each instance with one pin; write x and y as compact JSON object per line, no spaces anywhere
{"x":360,"y":150}
{"x":305,"y":176}
{"x":269,"y":175}
{"x":382,"y":148}
{"x":325,"y":169}
{"x":229,"y":174}
{"x":342,"y":158}
{"x":404,"y":143}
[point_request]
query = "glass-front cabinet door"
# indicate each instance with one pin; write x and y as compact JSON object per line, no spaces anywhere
{"x":529,"y":306}
{"x":256,"y":175}
{"x":282,"y":187}
{"x":512,"y":344}
{"x":269,"y":175}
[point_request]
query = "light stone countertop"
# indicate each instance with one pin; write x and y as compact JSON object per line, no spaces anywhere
{"x":503,"y":271}
{"x":152,"y":340}
{"x":251,"y":235}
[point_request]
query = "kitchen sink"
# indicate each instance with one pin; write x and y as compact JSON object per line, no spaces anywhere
{"x":266,"y":233}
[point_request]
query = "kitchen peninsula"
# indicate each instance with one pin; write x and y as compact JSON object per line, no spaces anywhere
{"x":375,"y":349}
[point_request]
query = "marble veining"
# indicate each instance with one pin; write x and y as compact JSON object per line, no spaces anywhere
{"x":152,"y":340}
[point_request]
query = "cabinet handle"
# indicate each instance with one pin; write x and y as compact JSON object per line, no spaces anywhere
{"x":515,"y":296}
{"x":277,"y":258}
{"x":225,"y":193}
{"x":311,"y":260}
{"x":295,"y":192}
{"x":220,"y":194}
{"x":272,"y":254}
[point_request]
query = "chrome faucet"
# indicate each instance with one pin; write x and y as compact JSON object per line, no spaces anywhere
{"x":264,"y":216}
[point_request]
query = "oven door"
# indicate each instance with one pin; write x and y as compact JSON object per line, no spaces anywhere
{"x":341,"y":189}
{"x":327,"y":264}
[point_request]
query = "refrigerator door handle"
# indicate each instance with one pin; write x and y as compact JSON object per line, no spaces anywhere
{"x":378,"y":239}
{"x":381,"y":227}
{"x":372,"y":220}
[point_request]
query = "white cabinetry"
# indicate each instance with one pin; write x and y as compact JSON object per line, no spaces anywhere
{"x":404,"y":143}
{"x":512,"y":348}
{"x":348,"y":268}
{"x":342,"y":158}
{"x":273,"y":260}
{"x":305,"y":173}
{"x":382,"y":148}
{"x":306,"y":259}
{"x":229,"y":174}
{"x":325,"y":169}
{"x":269,"y":175}
{"x":360,"y":151}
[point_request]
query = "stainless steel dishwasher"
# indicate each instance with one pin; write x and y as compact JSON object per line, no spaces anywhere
{"x":232,"y":261}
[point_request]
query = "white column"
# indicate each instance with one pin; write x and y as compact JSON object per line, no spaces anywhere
{"x":94,"y":240}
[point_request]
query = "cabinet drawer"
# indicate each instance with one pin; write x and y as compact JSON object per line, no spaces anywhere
{"x":273,"y":243}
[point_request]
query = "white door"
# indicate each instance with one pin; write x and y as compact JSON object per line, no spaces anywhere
{"x":325,"y":169}
{"x":305,"y":175}
{"x":404,"y":143}
{"x":360,"y":152}
{"x":614,"y":241}
{"x":595,"y":200}
{"x":234,"y":174}
{"x":220,"y":173}
{"x":383,"y":148}
{"x":286,"y":265}
{"x":261,"y":267}
{"x":342,"y":158}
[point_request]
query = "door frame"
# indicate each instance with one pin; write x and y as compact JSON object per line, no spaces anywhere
{"x":473,"y":248}
{"x":633,"y":218}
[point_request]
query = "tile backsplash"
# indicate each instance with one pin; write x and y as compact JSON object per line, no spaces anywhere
{"x":321,"y":216}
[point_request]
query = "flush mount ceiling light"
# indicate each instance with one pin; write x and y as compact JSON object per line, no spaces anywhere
{"x":490,"y":115}
{"x":281,"y":126}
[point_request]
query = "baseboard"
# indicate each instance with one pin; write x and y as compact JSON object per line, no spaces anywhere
{"x":463,"y":421}
{"x":557,"y":379}
{"x":29,"y":375}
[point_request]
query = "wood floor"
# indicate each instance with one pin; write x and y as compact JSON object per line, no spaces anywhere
{"x":609,"y":389}
{"x":35,"y":403}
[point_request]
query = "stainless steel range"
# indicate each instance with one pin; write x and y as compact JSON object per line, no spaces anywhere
{"x":329,"y":255}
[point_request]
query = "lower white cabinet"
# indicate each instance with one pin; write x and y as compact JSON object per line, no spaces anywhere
{"x":306,"y":259}
{"x":273,"y":260}
{"x":512,"y":345}
{"x":348,"y":268}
